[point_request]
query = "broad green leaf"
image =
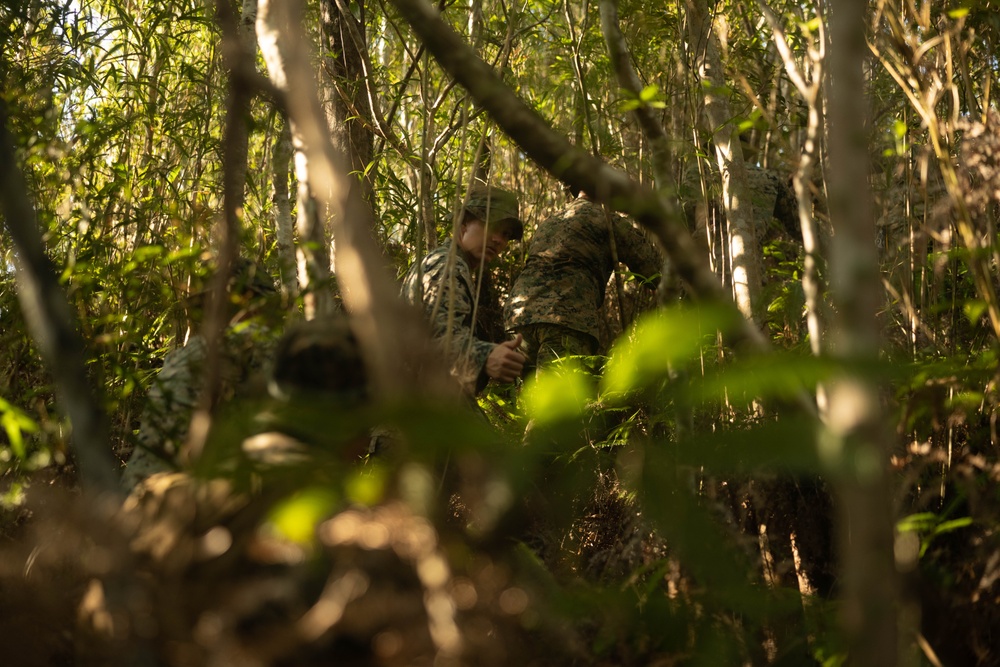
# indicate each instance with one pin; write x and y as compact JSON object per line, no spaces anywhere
{"x":366,"y":485}
{"x":974,"y":309}
{"x":696,"y":533}
{"x":776,"y":375}
{"x":558,"y":393}
{"x":788,"y":444}
{"x":658,"y":342}
{"x":296,"y":517}
{"x":16,"y":423}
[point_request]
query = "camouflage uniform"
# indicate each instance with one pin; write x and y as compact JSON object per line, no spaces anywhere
{"x":176,"y":391}
{"x":429,"y":282}
{"x":556,"y":300}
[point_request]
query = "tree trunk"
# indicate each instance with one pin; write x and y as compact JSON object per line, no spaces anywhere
{"x":239,"y":49}
{"x":281,"y":158}
{"x":736,"y":195}
{"x":312,"y":251}
{"x":858,"y":437}
{"x":398,"y":364}
{"x":628,"y":79}
{"x":809,"y":88}
{"x":342,"y":37}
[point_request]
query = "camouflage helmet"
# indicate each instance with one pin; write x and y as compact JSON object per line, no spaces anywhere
{"x":249,"y":277}
{"x":320,"y":355}
{"x":495,"y":205}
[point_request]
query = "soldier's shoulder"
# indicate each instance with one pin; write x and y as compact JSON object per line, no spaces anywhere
{"x":435,"y":261}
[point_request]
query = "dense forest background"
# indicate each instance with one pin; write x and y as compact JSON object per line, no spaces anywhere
{"x":789,"y":456}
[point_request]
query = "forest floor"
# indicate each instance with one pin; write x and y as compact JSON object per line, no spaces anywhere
{"x":192,"y":573}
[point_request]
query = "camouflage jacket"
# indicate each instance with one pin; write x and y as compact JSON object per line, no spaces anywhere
{"x":176,"y":390}
{"x":429,"y":283}
{"x":568,"y":266}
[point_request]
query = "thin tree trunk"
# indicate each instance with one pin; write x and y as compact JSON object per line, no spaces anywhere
{"x":281,"y":158}
{"x":397,"y":363}
{"x":50,"y":320}
{"x":347,"y":102}
{"x":628,"y":79}
{"x":312,"y":251}
{"x":736,"y":196}
{"x":239,"y":50}
{"x":810,"y":90}
{"x":652,"y":129}
{"x":858,"y":434}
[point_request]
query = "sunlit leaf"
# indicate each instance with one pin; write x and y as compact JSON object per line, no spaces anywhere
{"x":779,"y":375}
{"x":649,"y":93}
{"x":929,"y":525}
{"x":787,"y":444}
{"x":16,"y":423}
{"x":556,"y":394}
{"x":974,"y":309}
{"x":659,"y":341}
{"x":366,"y":485}
{"x":296,"y":517}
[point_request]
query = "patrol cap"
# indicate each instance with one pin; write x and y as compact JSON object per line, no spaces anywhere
{"x":494,"y":205}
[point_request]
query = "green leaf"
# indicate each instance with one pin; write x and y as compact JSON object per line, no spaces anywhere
{"x":16,"y":423}
{"x":649,"y":93}
{"x":929,"y":525}
{"x":296,"y":517}
{"x":789,"y":444}
{"x":366,"y":486}
{"x":953,"y":524}
{"x":558,"y":393}
{"x":916,"y":523}
{"x":974,"y":309}
{"x":780,"y":374}
{"x":958,"y":12}
{"x":658,"y":342}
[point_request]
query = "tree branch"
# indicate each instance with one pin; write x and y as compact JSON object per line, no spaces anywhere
{"x":581,"y":171}
{"x":628,"y":79}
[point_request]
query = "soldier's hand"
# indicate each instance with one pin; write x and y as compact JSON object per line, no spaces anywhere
{"x":505,"y":363}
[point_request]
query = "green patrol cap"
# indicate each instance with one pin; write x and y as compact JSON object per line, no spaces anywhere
{"x":493,"y":205}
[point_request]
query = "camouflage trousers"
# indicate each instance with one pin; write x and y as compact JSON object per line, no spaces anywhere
{"x":544,"y":343}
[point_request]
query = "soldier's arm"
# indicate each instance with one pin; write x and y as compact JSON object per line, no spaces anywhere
{"x":466,"y":353}
{"x":637,"y":252}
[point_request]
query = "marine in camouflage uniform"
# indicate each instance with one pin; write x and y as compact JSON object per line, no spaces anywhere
{"x":246,"y":351}
{"x":556,"y":300}
{"x":444,"y":285}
